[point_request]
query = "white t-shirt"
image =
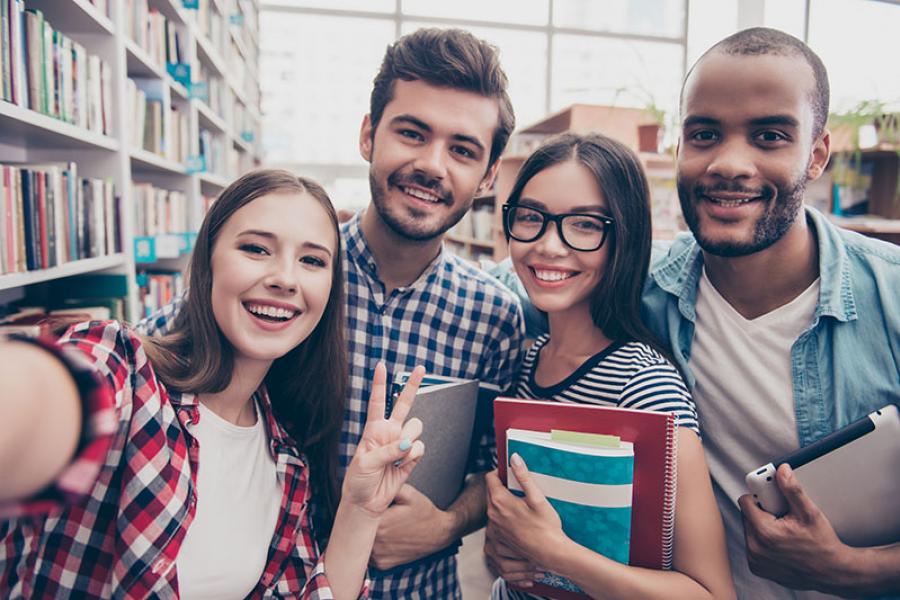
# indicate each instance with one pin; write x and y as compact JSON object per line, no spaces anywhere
{"x":238,"y":501}
{"x":745,"y":397}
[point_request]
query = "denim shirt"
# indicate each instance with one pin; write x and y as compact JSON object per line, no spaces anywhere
{"x":847,"y":363}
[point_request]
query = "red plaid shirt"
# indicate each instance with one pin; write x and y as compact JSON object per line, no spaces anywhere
{"x":113,"y":523}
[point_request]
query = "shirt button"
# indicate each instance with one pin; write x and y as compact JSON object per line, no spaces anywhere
{"x":161,"y":566}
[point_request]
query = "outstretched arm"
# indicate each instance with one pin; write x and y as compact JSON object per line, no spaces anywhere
{"x":40,"y":419}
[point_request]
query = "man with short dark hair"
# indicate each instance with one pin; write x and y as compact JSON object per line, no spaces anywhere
{"x":439,"y":119}
{"x":785,"y":325}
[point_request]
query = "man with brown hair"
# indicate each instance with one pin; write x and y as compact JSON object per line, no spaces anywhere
{"x":439,"y":119}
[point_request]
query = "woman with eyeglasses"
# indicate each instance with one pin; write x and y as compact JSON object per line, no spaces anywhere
{"x":578,"y":225}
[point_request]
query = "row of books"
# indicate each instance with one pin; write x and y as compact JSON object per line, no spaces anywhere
{"x":150,"y":128}
{"x":211,"y":24}
{"x":159,"y":211}
{"x":157,"y":36}
{"x":49,"y":216}
{"x":48,"y":72}
{"x":157,"y":289}
{"x":217,"y":153}
{"x":222,"y":100}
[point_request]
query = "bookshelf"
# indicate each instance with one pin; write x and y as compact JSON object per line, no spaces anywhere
{"x":192,"y":64}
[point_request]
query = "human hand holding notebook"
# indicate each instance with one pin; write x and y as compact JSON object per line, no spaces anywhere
{"x":653,"y":437}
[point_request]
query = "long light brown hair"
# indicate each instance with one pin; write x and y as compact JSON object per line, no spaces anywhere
{"x":308,"y":385}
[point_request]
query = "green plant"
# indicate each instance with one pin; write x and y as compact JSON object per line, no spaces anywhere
{"x":886,"y":121}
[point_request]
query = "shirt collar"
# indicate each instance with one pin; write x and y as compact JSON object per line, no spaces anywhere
{"x":678,"y":273}
{"x":359,"y":252}
{"x":280,"y":441}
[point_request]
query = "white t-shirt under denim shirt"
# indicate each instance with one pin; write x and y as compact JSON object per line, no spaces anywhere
{"x":745,"y":397}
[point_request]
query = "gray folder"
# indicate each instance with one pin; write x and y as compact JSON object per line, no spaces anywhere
{"x":447,"y":412}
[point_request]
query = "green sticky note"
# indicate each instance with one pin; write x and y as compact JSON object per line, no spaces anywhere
{"x":586,"y":439}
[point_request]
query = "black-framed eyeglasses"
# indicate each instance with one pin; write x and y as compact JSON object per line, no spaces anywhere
{"x":584,"y":232}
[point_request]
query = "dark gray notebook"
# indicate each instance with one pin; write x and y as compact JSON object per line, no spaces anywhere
{"x":446,"y":408}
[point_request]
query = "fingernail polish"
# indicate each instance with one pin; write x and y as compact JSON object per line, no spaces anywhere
{"x":405,"y":444}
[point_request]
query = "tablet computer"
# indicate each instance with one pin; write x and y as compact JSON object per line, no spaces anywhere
{"x":853,"y":475}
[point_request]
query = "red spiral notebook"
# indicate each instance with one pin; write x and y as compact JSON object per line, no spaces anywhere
{"x":655,"y":444}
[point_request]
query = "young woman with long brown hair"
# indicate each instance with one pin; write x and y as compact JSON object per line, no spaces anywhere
{"x":578,"y":225}
{"x":184,"y":465}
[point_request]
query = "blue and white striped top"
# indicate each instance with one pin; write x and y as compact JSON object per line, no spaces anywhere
{"x":624,"y":375}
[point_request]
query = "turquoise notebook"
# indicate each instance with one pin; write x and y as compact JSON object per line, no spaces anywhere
{"x":589,"y":485}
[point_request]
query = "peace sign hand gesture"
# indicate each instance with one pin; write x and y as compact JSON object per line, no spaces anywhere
{"x":388,"y":450}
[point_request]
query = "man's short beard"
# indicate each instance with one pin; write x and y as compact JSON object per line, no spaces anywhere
{"x":406,"y":228}
{"x":768,"y":229}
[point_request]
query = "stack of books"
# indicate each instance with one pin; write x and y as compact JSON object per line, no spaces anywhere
{"x":50,"y":216}
{"x":154,"y":33}
{"x":148,"y":127}
{"x":157,"y":289}
{"x":213,"y":152}
{"x":48,"y":72}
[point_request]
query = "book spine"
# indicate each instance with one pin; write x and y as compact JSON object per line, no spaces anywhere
{"x":21,"y":239}
{"x":4,"y":188}
{"x":5,"y":50}
{"x":42,"y":220}
{"x":33,"y":58}
{"x":668,"y":528}
{"x":29,"y":218}
{"x":9,"y":199}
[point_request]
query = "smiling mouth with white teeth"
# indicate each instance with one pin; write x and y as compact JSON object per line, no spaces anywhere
{"x":544,"y":275}
{"x":270,"y":313}
{"x":421,"y":194}
{"x":728,"y":203}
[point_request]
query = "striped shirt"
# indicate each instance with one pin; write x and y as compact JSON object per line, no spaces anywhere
{"x":624,"y":375}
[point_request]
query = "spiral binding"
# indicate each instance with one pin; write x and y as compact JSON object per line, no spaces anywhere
{"x":668,"y":526}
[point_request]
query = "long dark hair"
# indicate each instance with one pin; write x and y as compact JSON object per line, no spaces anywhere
{"x":308,"y":385}
{"x":616,"y":300}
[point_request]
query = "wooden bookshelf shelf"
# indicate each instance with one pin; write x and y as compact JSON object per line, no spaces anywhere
{"x":208,"y":54}
{"x":80,"y":16}
{"x":27,"y":127}
{"x":178,"y":89}
{"x":139,"y":64}
{"x":209,"y":119}
{"x":212,"y":184}
{"x":241,"y":144}
{"x":142,"y":160}
{"x":171,"y":9}
{"x":78,"y":267}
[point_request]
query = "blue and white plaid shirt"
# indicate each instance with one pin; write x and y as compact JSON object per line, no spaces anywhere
{"x":457,"y":321}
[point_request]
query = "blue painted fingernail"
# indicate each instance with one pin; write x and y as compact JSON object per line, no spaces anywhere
{"x":405,"y":444}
